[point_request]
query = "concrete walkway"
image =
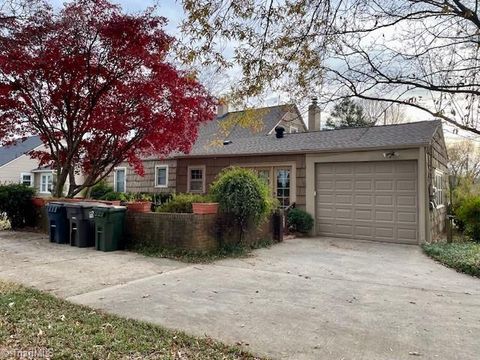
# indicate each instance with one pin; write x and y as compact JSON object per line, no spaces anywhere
{"x":302,"y":299}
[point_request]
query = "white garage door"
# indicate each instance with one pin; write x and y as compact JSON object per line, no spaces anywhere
{"x":367,"y":200}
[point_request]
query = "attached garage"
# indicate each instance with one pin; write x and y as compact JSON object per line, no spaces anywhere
{"x":375,"y":200}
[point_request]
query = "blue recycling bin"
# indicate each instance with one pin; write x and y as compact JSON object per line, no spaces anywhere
{"x":58,"y":224}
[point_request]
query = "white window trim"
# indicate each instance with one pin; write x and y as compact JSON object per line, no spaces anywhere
{"x":293,"y":128}
{"x":440,"y":173}
{"x":157,"y":185}
{"x":29,"y":174}
{"x":41,"y":182}
{"x":198,"y":167}
{"x":115,"y":178}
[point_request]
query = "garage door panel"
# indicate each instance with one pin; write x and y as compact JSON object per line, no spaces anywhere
{"x":406,"y":200}
{"x":364,"y":214}
{"x":343,"y":199}
{"x":406,"y":185}
{"x":326,"y":213}
{"x":363,"y":168}
{"x":364,"y":185}
{"x":407,"y":217}
{"x":343,"y":185}
{"x":343,"y":169}
{"x":384,"y":200}
{"x":325,"y":185}
{"x":326,"y":198}
{"x":384,"y":167}
{"x":384,"y":215}
{"x":363,"y":200}
{"x":363,"y":231}
{"x":406,"y":167}
{"x":384,"y":232}
{"x":407,"y":235}
{"x":377,"y":202}
{"x":344,"y":230}
{"x":384,"y":185}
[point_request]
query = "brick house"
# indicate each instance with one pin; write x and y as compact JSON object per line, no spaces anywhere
{"x":383,"y":183}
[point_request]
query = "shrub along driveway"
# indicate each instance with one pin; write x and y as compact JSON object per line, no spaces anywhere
{"x":302,"y":299}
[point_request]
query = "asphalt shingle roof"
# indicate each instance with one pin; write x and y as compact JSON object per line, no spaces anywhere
{"x":242,"y":124}
{"x":389,"y":136}
{"x":11,"y":152}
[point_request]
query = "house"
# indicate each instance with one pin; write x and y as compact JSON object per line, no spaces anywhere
{"x":16,"y":166}
{"x":382,"y":183}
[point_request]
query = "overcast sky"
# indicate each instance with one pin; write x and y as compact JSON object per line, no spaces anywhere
{"x":173,"y":11}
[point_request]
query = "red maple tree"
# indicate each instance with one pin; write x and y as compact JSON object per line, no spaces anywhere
{"x":97,"y":86}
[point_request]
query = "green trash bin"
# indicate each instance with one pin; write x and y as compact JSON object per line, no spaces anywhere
{"x":109,"y":226}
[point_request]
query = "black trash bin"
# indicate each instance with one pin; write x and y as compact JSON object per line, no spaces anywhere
{"x":80,"y":216}
{"x":109,"y":225}
{"x":58,"y":224}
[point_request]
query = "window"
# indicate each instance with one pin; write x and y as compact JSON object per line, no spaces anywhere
{"x":120,"y":180}
{"x":263,"y":174}
{"x":161,"y":176}
{"x":293,"y":129}
{"x":438,"y":185}
{"x":46,"y":183}
{"x":278,"y":179}
{"x":196,"y":179}
{"x":26,"y":179}
{"x":283,"y":186}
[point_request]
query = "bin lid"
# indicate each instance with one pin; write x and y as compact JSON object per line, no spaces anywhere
{"x":100,"y":211}
{"x":54,"y":207}
{"x":82,"y":204}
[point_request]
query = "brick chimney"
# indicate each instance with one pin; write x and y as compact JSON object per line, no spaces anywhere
{"x":222,"y":108}
{"x":314,"y":118}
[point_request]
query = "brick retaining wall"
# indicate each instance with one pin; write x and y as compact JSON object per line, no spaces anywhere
{"x":189,"y":231}
{"x":175,"y":231}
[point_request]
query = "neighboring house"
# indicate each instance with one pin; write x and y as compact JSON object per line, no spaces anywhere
{"x":16,"y":166}
{"x":384,"y":183}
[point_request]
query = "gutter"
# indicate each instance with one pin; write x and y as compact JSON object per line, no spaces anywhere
{"x":306,"y":152}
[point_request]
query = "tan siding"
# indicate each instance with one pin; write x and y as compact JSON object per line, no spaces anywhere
{"x":146,"y":183}
{"x":215,"y":165}
{"x":437,"y":159}
{"x":293,"y":119}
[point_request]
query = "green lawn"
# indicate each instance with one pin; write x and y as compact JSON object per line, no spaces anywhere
{"x":31,"y":320}
{"x":461,"y":256}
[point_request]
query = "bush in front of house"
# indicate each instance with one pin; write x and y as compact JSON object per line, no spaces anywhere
{"x":182,"y":203}
{"x":469,"y":213}
{"x":100,"y":190}
{"x":243,"y":196}
{"x":114,"y":196}
{"x":16,"y":204}
{"x":299,"y":220}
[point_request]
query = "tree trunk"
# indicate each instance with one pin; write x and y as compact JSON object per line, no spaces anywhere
{"x":60,"y":183}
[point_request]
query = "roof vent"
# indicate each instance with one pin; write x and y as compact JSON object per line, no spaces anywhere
{"x":227,"y":142}
{"x":279,"y":130}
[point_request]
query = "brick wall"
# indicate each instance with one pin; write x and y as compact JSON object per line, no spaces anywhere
{"x":175,"y":231}
{"x":189,"y":231}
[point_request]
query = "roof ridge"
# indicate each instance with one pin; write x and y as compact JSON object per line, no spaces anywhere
{"x":259,"y":108}
{"x":371,"y":127}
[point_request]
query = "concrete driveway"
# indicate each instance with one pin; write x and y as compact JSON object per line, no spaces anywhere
{"x":302,"y":299}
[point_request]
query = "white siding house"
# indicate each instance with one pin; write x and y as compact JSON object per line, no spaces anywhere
{"x":16,"y":166}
